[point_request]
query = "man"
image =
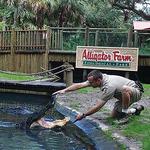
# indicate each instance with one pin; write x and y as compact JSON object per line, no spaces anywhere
{"x":125,"y":90}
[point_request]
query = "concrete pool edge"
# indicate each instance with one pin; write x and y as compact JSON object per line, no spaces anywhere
{"x":91,"y":128}
{"x":122,"y":140}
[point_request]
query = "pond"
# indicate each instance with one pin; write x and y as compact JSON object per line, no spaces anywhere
{"x":15,"y":108}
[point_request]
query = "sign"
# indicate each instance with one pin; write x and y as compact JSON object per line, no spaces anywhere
{"x":107,"y":58}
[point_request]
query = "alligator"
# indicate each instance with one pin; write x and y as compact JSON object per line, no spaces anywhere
{"x":37,"y":115}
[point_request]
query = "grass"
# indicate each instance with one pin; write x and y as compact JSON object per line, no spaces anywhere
{"x":90,"y":90}
{"x":146,"y":90}
{"x":138,"y":126}
{"x":75,"y":105}
{"x":15,"y":77}
{"x":87,"y":90}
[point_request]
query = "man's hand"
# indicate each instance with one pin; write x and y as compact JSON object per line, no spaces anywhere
{"x":80,"y":116}
{"x":73,"y":87}
{"x":60,"y":92}
{"x":91,"y":111}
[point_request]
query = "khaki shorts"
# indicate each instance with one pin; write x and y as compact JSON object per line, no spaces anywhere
{"x":136,"y":96}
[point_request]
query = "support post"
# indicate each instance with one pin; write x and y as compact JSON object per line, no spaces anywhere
{"x":61,"y":39}
{"x":135,"y":39}
{"x":130,"y":37}
{"x":68,"y":74}
{"x":87,"y":36}
{"x":87,"y":44}
{"x":96,"y":37}
{"x":129,"y":44}
{"x":84,"y":74}
{"x":48,"y":41}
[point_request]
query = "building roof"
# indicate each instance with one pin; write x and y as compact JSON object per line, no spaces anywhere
{"x":141,"y":25}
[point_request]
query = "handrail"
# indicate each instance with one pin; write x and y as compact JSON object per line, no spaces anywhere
{"x":63,"y":38}
{"x":77,"y":28}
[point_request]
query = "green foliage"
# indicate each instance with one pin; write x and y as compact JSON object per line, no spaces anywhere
{"x":66,"y":13}
{"x":112,"y":39}
{"x":100,"y":14}
{"x":2,"y":25}
{"x":145,"y":51}
{"x":71,"y":41}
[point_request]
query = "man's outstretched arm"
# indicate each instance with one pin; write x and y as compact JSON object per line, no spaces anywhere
{"x":91,"y":111}
{"x":73,"y":87}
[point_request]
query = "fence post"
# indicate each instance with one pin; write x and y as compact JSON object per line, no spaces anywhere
{"x":129,"y":44}
{"x":48,"y":41}
{"x":68,"y":74}
{"x":96,"y":37}
{"x":61,"y":39}
{"x":86,"y":44}
{"x":130,"y":37}
{"x":135,"y":38}
{"x":87,"y":36}
{"x":13,"y":45}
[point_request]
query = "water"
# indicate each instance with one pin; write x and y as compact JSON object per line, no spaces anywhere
{"x":38,"y":138}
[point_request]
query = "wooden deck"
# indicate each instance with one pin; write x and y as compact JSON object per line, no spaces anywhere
{"x":30,"y":50}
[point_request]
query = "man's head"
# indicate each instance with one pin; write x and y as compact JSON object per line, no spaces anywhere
{"x":95,"y":78}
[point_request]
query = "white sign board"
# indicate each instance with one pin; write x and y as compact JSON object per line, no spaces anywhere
{"x":107,"y":58}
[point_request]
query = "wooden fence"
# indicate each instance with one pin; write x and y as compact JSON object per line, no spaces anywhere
{"x":29,"y":50}
{"x":23,"y":50}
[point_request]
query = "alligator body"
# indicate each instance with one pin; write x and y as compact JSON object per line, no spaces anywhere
{"x":37,"y":115}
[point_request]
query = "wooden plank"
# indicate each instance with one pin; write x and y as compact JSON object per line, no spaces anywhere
{"x":13,"y":44}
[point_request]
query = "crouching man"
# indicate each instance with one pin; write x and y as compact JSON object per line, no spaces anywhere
{"x":112,"y":86}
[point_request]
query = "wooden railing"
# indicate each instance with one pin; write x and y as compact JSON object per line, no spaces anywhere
{"x":23,"y":40}
{"x":69,"y":38}
{"x":29,"y":50}
{"x":60,"y":38}
{"x":5,"y":40}
{"x":31,"y":40}
{"x":56,"y":38}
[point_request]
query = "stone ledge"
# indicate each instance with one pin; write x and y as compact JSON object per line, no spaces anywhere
{"x":91,"y":128}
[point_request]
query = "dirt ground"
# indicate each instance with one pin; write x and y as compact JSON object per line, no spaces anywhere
{"x":82,"y":102}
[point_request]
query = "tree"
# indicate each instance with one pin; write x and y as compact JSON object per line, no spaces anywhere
{"x":14,"y":13}
{"x":63,"y":13}
{"x":23,"y":13}
{"x":42,"y":9}
{"x":69,"y":12}
{"x":139,"y":7}
{"x":99,"y":14}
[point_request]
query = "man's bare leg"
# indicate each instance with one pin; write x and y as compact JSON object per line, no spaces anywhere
{"x":126,"y":95}
{"x":117,"y":115}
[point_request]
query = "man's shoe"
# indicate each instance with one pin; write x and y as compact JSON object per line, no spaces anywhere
{"x":138,"y":108}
